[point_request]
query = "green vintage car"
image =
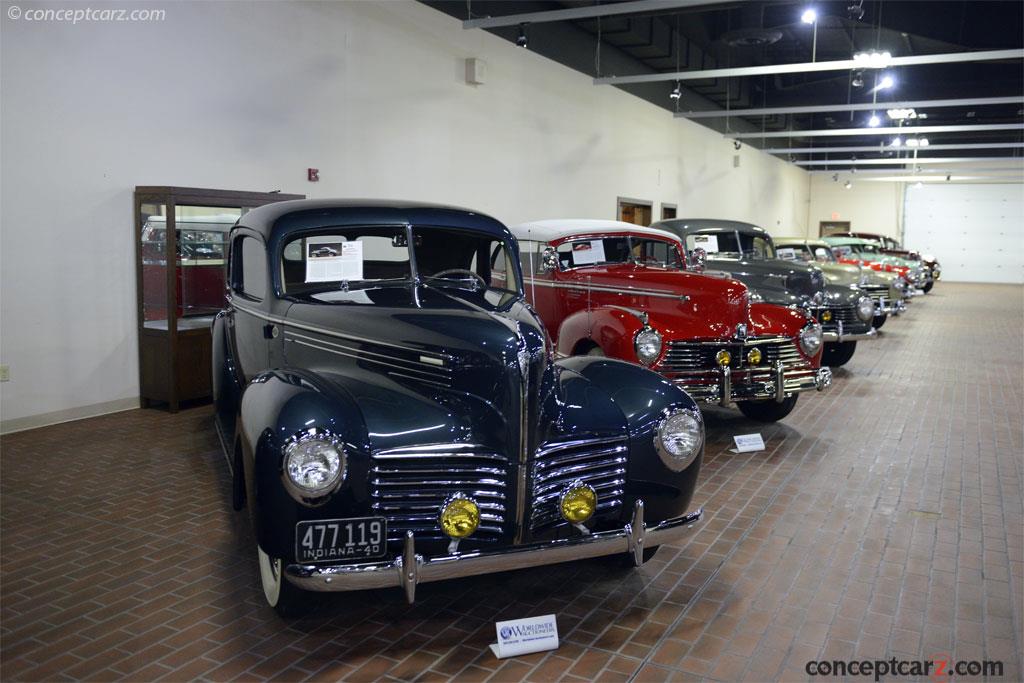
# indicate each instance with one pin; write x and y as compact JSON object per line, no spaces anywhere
{"x":868,"y":253}
{"x":887,"y":290}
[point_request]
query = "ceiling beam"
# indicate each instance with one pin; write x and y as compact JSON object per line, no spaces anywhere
{"x":910,"y":130}
{"x":887,"y":148}
{"x":906,"y":161}
{"x":634,"y":7}
{"x":860,"y":106}
{"x":995,"y":172}
{"x":810,"y":67}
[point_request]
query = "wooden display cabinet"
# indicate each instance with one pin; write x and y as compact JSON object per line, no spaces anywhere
{"x":187,"y":228}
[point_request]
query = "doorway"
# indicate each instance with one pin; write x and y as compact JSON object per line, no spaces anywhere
{"x":826,"y":228}
{"x":635,"y":211}
{"x":668,"y":211}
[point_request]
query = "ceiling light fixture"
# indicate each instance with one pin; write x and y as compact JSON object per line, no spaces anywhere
{"x":874,"y":121}
{"x":809,"y":16}
{"x":848,"y":185}
{"x":858,"y":79}
{"x":872,"y":60}
{"x":676,"y":93}
{"x":917,"y":142}
{"x":896,"y":142}
{"x":886,"y":82}
{"x":856,"y":11}
{"x":901,"y":114}
{"x":521,"y":41}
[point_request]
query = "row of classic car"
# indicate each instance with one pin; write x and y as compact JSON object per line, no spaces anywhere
{"x":408,"y":393}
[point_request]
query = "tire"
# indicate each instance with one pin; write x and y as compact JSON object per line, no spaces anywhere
{"x":879,"y":321}
{"x":928,"y":287}
{"x":767,"y":411}
{"x":286,"y":599}
{"x":837,"y":354}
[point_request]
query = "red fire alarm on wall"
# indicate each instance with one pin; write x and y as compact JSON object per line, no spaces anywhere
{"x":313,"y":175}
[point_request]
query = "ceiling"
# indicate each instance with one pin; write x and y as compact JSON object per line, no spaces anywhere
{"x":742,"y":34}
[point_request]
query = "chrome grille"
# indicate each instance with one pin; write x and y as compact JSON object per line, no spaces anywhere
{"x":685,"y":356}
{"x":409,"y":485}
{"x":846,"y":314}
{"x":601,"y":463}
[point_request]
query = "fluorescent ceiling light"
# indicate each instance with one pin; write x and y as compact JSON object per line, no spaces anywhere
{"x":917,"y":142}
{"x":872,"y":60}
{"x":901,"y":114}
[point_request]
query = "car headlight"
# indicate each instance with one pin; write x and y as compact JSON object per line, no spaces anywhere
{"x":810,"y":339}
{"x":679,"y":438}
{"x":314,"y":464}
{"x":647,"y":345}
{"x":865,"y":308}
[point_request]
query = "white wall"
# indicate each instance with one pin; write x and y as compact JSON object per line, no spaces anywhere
{"x":869,"y":206}
{"x":976,"y":231}
{"x":246,"y":96}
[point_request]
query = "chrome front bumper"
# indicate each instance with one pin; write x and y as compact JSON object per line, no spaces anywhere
{"x":411,"y":569}
{"x":726,"y":392}
{"x":838,"y":336}
{"x":886,"y":306}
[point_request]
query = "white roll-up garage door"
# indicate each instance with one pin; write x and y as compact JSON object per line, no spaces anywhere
{"x":976,"y":231}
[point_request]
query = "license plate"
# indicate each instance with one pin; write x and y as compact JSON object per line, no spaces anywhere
{"x":325,"y":540}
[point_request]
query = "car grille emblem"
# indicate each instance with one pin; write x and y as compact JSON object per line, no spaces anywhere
{"x":741,"y":331}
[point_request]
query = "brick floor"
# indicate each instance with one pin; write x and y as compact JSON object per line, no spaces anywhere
{"x":884,"y":520}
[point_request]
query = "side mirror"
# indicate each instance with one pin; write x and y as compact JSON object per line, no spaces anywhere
{"x":548,"y":260}
{"x":699,"y":258}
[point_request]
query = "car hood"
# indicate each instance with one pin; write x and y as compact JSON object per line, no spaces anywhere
{"x":442,"y":347}
{"x":707,"y":305}
{"x":801,"y":280}
{"x":841,"y":273}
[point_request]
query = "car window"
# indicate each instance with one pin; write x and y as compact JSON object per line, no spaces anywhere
{"x":620,"y":249}
{"x":344,"y":255}
{"x":460,"y":257}
{"x":249,"y":268}
{"x":823,"y":255}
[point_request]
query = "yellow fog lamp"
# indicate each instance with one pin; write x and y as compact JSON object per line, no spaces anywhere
{"x":577,"y":502}
{"x":826,"y":316}
{"x":460,"y":516}
{"x":754,"y":356}
{"x":723,"y":358}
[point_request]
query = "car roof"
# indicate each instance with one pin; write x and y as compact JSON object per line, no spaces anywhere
{"x":830,"y":239}
{"x":277,"y":220}
{"x":556,"y":229}
{"x":783,"y":241}
{"x":691,"y":225}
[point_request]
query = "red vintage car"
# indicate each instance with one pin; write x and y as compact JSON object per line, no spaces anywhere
{"x":614,"y":289}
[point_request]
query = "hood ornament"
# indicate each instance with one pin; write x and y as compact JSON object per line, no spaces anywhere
{"x":741,"y":331}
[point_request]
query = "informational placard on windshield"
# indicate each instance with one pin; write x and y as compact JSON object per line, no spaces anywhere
{"x":786,"y":253}
{"x":708,"y":243}
{"x":331,"y":259}
{"x":591,"y":251}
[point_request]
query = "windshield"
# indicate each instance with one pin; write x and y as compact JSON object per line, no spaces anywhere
{"x":867,"y":248}
{"x":731,"y":244}
{"x":348,"y":258}
{"x":652,"y":253}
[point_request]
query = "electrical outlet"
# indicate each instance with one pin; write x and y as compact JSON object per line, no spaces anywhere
{"x":5,"y":373}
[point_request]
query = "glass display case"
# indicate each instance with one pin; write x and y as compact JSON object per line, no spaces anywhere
{"x":181,"y":240}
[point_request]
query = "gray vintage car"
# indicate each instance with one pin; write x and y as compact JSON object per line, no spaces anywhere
{"x":887,"y":290}
{"x":747,"y":253}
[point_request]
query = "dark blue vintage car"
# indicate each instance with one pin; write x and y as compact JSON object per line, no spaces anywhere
{"x":392,"y":412}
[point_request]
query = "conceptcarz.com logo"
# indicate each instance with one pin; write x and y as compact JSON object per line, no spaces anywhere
{"x":527,"y":630}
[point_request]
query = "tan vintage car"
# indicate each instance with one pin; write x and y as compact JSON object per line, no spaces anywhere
{"x":887,"y":290}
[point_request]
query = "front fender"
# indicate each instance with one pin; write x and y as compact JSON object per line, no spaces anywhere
{"x":644,"y":397}
{"x":610,"y":328}
{"x":276,"y":406}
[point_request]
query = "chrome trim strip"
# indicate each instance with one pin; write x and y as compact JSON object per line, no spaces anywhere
{"x":434,"y":366}
{"x":726,"y":398}
{"x":322,"y":330}
{"x":780,"y":382}
{"x":605,"y":288}
{"x":411,"y":569}
{"x":433,"y":380}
